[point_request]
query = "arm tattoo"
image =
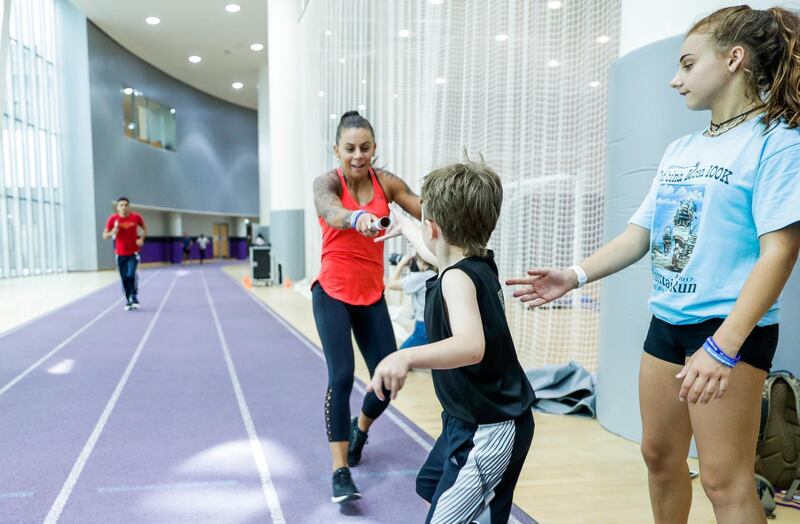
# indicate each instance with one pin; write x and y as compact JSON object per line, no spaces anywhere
{"x":398,"y":183}
{"x":329,"y":204}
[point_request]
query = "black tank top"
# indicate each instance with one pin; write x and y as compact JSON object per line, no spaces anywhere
{"x":495,"y":389}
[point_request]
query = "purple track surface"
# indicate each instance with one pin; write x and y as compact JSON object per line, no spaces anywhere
{"x":180,"y":415}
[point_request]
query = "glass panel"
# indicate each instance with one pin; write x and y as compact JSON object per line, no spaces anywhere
{"x":140,"y":103}
{"x":148,"y":120}
{"x":31,"y":227}
{"x":127,"y":112}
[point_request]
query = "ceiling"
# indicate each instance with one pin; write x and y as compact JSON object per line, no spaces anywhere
{"x":191,"y":27}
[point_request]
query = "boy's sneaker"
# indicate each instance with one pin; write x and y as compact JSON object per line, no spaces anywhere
{"x":128,"y":305}
{"x":357,"y":440}
{"x":135,"y":303}
{"x":344,"y":488}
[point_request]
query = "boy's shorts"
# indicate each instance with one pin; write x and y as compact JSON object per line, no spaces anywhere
{"x":472,"y":470}
{"x":676,"y":343}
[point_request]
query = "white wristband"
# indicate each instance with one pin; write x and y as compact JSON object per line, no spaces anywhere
{"x":581,"y":274}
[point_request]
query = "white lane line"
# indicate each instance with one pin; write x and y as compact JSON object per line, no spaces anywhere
{"x":61,"y":346}
{"x":314,"y":349}
{"x":255,"y":443}
{"x":66,"y":490}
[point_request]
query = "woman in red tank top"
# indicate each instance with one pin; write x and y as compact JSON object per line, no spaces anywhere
{"x":348,"y":293}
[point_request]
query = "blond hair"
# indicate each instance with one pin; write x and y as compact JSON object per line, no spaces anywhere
{"x":464,"y":200}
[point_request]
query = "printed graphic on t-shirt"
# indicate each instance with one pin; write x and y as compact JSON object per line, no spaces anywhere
{"x":674,"y":235}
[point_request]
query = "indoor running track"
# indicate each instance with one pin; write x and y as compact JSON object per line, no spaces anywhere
{"x":203,"y":406}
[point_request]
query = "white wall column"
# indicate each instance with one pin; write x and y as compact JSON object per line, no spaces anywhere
{"x":286,"y":143}
{"x":174,"y":224}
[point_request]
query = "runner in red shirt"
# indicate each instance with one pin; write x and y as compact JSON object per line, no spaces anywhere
{"x":348,"y":293}
{"x":123,"y":226}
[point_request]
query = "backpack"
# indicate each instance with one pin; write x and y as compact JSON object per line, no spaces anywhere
{"x":777,"y":463}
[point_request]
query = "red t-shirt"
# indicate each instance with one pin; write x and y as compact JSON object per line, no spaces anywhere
{"x":352,"y":264}
{"x":125,"y":243}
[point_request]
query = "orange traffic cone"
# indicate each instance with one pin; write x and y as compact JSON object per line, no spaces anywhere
{"x":247,"y":281}
{"x":287,"y":282}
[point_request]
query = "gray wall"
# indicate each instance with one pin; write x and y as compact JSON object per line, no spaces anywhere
{"x":215,"y":168}
{"x":644,"y":116}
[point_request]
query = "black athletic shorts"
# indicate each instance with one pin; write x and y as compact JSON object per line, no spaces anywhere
{"x":675,"y":343}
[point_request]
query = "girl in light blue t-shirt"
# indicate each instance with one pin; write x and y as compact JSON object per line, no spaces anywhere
{"x":721,"y":225}
{"x":413,"y":284}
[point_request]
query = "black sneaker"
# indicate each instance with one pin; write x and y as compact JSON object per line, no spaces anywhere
{"x":344,"y":488}
{"x":357,"y":440}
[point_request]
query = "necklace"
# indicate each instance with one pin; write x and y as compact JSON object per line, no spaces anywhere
{"x":723,"y":127}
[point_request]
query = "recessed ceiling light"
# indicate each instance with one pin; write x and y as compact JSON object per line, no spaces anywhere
{"x":553,"y":63}
{"x":603,"y":39}
{"x":321,"y":94}
{"x":195,"y":59}
{"x":172,"y":111}
{"x":131,"y":126}
{"x":501,"y":37}
{"x":136,"y":92}
{"x":333,"y":117}
{"x":128,"y":91}
{"x":554,"y":4}
{"x":404,"y":33}
{"x":232,"y":8}
{"x":153,"y":20}
{"x":256,"y":47}
{"x":594,"y":83}
{"x":237,"y":85}
{"x":361,"y":107}
{"x":440,"y":80}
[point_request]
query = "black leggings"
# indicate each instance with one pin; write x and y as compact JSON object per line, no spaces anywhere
{"x":373,"y":331}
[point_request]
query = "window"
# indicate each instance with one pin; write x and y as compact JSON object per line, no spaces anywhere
{"x":31,"y":217}
{"x":146,"y":120}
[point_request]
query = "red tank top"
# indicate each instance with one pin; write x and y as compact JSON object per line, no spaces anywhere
{"x":352,"y":264}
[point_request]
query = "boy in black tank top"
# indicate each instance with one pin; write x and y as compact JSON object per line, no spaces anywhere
{"x":487,"y":424}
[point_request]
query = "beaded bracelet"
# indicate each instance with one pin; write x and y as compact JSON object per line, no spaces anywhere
{"x":720,"y":356}
{"x":354,"y":216}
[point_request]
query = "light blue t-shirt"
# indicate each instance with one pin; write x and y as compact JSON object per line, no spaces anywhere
{"x":711,"y":200}
{"x":414,"y":285}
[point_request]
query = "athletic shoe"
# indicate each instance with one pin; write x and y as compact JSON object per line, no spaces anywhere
{"x":344,"y":488}
{"x":129,"y":306}
{"x":356,"y":445}
{"x":135,"y":303}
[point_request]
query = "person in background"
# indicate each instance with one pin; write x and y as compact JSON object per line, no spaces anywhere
{"x":186,"y":242}
{"x":202,"y":243}
{"x":413,"y":284}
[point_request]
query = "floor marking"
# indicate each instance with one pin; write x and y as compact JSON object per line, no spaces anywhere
{"x":255,"y":443}
{"x":59,"y":347}
{"x":170,"y":486}
{"x":17,"y":495}
{"x":66,"y":490}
